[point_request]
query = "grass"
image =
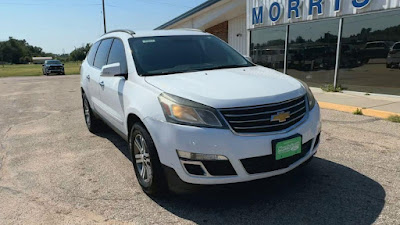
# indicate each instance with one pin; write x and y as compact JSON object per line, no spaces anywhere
{"x":394,"y":119}
{"x":331,"y":88}
{"x":358,"y":112}
{"x":34,"y":69}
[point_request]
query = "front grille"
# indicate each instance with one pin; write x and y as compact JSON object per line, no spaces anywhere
{"x":257,"y":119}
{"x":268,"y":163}
{"x":55,"y":67}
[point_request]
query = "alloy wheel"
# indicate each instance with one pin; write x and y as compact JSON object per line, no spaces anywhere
{"x":142,"y":157}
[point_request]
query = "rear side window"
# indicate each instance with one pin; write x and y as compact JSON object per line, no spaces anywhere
{"x":117,"y":55}
{"x":92,"y":53}
{"x":102,"y":53}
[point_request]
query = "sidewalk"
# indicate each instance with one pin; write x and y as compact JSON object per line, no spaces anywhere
{"x":377,"y":105}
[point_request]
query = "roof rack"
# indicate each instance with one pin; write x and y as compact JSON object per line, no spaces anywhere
{"x":190,"y":29}
{"x":121,"y":30}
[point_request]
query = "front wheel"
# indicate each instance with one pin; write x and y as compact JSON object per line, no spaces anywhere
{"x":146,"y":162}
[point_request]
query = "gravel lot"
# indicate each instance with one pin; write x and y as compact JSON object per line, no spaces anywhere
{"x":53,"y":171}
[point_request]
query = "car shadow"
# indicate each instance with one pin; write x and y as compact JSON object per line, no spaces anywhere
{"x":323,"y":192}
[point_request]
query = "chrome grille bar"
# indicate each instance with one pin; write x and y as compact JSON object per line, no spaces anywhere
{"x":262,"y":113}
{"x":258,"y":119}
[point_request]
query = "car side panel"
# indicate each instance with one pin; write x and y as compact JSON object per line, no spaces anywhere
{"x":140,"y":99}
{"x":112,"y":101}
{"x":92,"y":75}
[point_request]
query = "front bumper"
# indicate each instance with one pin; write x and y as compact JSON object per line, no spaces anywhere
{"x":58,"y":70}
{"x":168,"y":138}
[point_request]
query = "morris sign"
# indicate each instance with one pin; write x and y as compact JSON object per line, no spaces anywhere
{"x":272,"y":12}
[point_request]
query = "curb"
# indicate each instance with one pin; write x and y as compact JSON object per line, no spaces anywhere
{"x":351,"y":109}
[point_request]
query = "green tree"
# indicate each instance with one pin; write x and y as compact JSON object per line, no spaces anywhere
{"x":18,"y":51}
{"x":79,"y":54}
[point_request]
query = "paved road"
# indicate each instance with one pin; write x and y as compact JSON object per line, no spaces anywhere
{"x":53,"y":171}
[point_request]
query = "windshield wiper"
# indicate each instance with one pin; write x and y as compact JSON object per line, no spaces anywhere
{"x":225,"y":67}
{"x":168,"y":72}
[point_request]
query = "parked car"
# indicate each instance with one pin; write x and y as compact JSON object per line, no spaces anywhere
{"x":376,"y":50}
{"x":272,"y":57}
{"x":393,"y":58}
{"x":53,"y":66}
{"x":350,"y":56}
{"x":195,"y":111}
{"x":317,"y":57}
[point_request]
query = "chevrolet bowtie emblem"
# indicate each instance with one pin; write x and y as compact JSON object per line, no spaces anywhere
{"x":281,"y":117}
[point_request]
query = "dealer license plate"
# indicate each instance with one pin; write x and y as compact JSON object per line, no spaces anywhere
{"x":287,"y":148}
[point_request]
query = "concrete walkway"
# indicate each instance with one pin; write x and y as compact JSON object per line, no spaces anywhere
{"x":379,"y":104}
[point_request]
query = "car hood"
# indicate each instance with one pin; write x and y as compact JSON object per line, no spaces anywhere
{"x":226,"y":88}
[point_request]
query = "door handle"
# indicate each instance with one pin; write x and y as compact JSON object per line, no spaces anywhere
{"x":88,"y":77}
{"x":102,"y":84}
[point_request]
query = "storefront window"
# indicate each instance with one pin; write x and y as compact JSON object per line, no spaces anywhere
{"x":267,"y":47}
{"x":369,"y":55}
{"x":312,"y":51}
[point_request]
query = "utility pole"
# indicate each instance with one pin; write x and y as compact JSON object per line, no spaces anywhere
{"x":104,"y":17}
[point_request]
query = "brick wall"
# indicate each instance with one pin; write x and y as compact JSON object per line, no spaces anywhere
{"x":220,"y":30}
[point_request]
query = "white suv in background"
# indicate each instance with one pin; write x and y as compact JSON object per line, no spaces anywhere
{"x":194,"y":110}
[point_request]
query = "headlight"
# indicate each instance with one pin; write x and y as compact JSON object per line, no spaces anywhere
{"x":183,"y":111}
{"x":310,"y":96}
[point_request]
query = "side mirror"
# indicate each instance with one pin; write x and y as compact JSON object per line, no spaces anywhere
{"x":63,"y":64}
{"x":248,"y":58}
{"x":42,"y":64}
{"x":111,"y":70}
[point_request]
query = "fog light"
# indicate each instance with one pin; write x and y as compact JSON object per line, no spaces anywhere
{"x":200,"y":157}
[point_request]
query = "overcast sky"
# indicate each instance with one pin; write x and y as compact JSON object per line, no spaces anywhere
{"x":59,"y":26}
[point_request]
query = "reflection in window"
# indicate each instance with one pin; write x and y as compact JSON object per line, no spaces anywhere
{"x":312,"y":51}
{"x":267,"y":47}
{"x":369,"y":58}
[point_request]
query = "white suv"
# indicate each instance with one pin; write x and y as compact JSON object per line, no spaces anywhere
{"x":194,"y":110}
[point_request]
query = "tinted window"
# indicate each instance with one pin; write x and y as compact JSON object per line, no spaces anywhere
{"x":102,"y":53}
{"x":52,"y":62}
{"x":376,"y":45}
{"x":117,"y":54}
{"x":396,"y":46}
{"x":92,"y":53}
{"x":267,"y":47}
{"x":178,"y":54}
{"x":369,"y":69}
{"x":312,"y":51}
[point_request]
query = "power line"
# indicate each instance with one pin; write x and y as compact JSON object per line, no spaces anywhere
{"x":46,"y":4}
{"x":166,"y":3}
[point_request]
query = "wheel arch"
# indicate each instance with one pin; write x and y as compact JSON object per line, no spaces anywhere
{"x":131,"y":120}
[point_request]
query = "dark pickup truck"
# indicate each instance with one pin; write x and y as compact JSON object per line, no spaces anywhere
{"x":53,"y":66}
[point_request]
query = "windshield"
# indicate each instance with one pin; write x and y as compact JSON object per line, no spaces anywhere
{"x":179,"y":54}
{"x":52,"y":62}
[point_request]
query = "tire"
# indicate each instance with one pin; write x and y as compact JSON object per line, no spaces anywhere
{"x":93,"y":124}
{"x":146,"y":162}
{"x":389,"y":66}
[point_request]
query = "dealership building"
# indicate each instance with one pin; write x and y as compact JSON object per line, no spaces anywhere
{"x":352,"y":44}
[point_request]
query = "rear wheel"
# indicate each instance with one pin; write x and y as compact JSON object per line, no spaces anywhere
{"x":146,"y":162}
{"x":93,"y":124}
